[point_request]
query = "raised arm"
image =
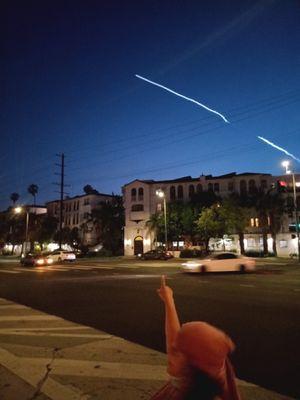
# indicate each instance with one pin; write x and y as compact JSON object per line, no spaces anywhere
{"x":172,"y":326}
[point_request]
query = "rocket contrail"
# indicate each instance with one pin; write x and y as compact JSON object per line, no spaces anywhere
{"x":181,"y":95}
{"x":278,"y":148}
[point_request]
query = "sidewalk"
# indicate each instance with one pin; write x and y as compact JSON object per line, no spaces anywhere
{"x":44,"y":357}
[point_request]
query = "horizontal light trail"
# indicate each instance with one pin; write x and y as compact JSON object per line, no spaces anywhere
{"x":183,"y":97}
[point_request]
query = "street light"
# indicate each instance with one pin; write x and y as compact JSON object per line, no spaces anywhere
{"x":19,"y":210}
{"x":288,"y":171}
{"x":161,"y":194}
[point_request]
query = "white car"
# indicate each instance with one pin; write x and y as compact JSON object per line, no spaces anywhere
{"x":220,"y":262}
{"x":62,"y":255}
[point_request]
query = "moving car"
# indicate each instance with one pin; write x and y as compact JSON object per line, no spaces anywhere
{"x":35,"y":259}
{"x":220,"y":262}
{"x":62,"y":255}
{"x":156,"y":255}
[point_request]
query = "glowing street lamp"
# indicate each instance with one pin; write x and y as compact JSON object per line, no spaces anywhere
{"x":19,"y":210}
{"x":161,"y":194}
{"x":288,"y":171}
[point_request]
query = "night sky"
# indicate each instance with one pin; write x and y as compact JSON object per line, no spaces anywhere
{"x":68,"y":85}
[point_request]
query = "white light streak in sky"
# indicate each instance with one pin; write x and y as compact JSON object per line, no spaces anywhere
{"x":182,"y":96}
{"x":278,"y":148}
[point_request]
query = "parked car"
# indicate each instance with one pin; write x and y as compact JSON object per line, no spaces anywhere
{"x":156,"y":255}
{"x":220,"y":262}
{"x":36,"y":259}
{"x":62,"y":255}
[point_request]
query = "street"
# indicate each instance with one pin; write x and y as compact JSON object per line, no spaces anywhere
{"x":260,"y":311}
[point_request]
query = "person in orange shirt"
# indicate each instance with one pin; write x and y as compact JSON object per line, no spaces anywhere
{"x":198,"y":362}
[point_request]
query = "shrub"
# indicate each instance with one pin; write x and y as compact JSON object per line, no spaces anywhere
{"x":191,"y":253}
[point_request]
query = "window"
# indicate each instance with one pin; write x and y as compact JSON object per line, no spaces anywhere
{"x":172,"y":193}
{"x":191,"y":191}
{"x":133,"y":194}
{"x":230,"y":186}
{"x":210,"y":187}
{"x":141,"y":194}
{"x":199,"y":188}
{"x":180,"y":192}
{"x":225,"y":256}
{"x":158,"y":207}
{"x":137,"y":207}
{"x":243,"y":187}
{"x":263,"y":184}
{"x":254,"y":222}
{"x":252,"y":186}
{"x":216,"y":187}
{"x":86,"y":201}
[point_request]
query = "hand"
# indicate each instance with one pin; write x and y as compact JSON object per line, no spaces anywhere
{"x":165,"y":292}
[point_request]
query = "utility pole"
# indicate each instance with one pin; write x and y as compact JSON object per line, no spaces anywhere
{"x":62,"y":185}
{"x":62,"y":179}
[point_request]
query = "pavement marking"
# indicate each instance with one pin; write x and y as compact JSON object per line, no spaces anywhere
{"x":103,"y":369}
{"x":29,"y":318}
{"x":6,"y":271}
{"x":12,"y":306}
{"x":33,"y":375}
{"x":245,"y":285}
{"x":49,"y":334}
{"x":54,"y":328}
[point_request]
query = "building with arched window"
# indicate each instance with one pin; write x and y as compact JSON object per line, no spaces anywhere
{"x":141,"y":201}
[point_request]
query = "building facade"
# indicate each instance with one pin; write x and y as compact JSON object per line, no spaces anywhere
{"x":77,"y":214}
{"x":141,"y":201}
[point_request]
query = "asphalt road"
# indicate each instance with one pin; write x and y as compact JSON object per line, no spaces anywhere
{"x":260,"y":311}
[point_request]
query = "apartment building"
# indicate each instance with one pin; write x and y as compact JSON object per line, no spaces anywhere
{"x":76,"y":214}
{"x":141,"y":201}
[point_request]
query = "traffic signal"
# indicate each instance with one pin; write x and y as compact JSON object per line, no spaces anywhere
{"x":281,"y":186}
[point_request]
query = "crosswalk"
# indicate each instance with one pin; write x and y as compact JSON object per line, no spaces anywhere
{"x":51,"y":268}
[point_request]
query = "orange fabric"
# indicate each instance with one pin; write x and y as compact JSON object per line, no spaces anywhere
{"x":206,"y":348}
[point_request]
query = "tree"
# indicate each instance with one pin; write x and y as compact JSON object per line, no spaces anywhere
{"x":88,"y":189}
{"x":45,"y":229}
{"x":14,"y":197}
{"x":270,"y":207}
{"x":236,"y":218}
{"x":109,"y":219}
{"x":210,"y":224}
{"x":33,"y":190}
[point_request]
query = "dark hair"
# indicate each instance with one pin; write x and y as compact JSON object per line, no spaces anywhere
{"x":204,"y":388}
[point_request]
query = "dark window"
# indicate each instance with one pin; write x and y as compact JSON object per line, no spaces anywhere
{"x":252,"y":186}
{"x":230,"y":186}
{"x":172,"y":193}
{"x":243,"y":187}
{"x":133,"y":194}
{"x":141,"y":194}
{"x":225,"y":256}
{"x":191,"y":191}
{"x":180,"y":192}
{"x":264,"y":184}
{"x":137,"y":207}
{"x":210,"y":187}
{"x":216,"y":187}
{"x":199,"y":188}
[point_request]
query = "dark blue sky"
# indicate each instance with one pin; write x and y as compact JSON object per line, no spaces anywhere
{"x":68,"y":85}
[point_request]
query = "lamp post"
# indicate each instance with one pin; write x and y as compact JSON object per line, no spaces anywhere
{"x":19,"y":210}
{"x":161,"y":194}
{"x":288,"y":171}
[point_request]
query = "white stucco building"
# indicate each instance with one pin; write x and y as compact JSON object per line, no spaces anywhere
{"x":76,"y":213}
{"x":141,"y":201}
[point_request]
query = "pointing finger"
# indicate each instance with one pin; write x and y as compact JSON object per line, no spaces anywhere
{"x":163,"y":280}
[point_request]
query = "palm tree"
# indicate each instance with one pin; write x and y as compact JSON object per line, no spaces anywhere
{"x":14,"y":197}
{"x":33,"y":189}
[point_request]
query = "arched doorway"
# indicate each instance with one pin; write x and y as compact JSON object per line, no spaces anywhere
{"x":138,"y":245}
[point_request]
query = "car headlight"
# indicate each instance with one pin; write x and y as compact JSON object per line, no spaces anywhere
{"x":40,"y":261}
{"x":49,"y":261}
